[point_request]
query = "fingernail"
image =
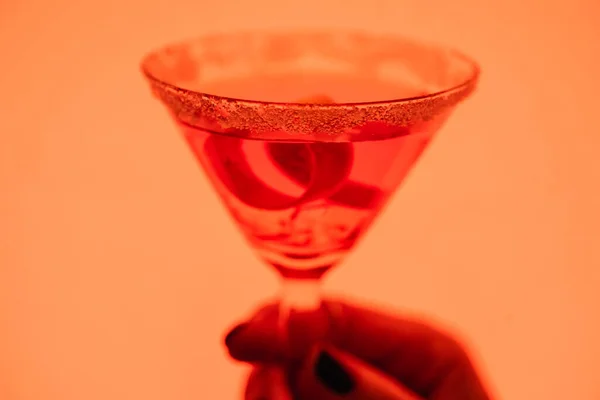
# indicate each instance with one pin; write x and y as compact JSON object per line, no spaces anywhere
{"x":234,"y":332}
{"x":332,"y":375}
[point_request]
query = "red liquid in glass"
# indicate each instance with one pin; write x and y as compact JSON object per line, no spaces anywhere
{"x":303,"y":205}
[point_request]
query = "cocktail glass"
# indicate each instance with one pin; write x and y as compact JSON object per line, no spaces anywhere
{"x":306,"y":135}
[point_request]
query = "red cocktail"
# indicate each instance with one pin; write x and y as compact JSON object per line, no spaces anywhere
{"x":306,"y":135}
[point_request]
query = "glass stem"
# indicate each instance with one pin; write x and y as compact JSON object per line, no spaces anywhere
{"x":300,"y":294}
{"x":303,"y":298}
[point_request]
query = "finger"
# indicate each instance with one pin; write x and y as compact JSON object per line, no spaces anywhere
{"x":409,"y":350}
{"x":267,"y":383}
{"x":425,"y":357}
{"x":263,"y":338}
{"x":257,"y":340}
{"x":331,"y":374}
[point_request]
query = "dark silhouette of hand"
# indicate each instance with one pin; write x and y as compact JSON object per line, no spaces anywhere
{"x":362,"y":354}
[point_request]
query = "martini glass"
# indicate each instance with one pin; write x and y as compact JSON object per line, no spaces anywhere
{"x":306,"y":135}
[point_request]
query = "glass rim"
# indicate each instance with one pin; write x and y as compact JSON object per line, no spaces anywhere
{"x":188,"y":101}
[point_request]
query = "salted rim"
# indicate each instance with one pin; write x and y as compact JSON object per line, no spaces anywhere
{"x":259,"y":118}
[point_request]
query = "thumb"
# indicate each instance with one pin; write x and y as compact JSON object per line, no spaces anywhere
{"x":331,"y":374}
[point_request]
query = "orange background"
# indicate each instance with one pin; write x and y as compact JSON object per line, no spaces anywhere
{"x":120,"y":270}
